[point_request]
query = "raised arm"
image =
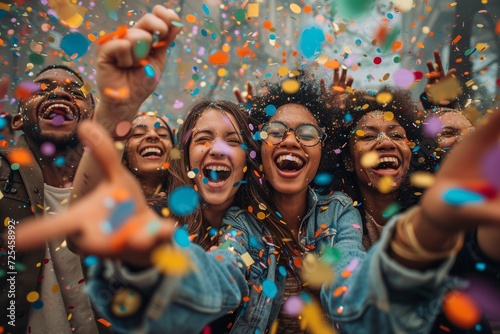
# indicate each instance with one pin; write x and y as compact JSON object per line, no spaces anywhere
{"x":129,"y":66}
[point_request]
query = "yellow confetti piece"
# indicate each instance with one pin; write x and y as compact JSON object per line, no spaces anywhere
{"x":447,"y":89}
{"x":422,"y":179}
{"x":313,"y":319}
{"x":261,"y":215}
{"x":165,"y":212}
{"x":322,"y":59}
{"x":6,"y":221}
{"x":290,"y":86}
{"x":247,"y":259}
{"x":482,"y":46}
{"x":295,"y":8}
{"x":32,"y":296}
{"x":384,"y":97}
{"x":171,"y":260}
{"x":369,"y":159}
{"x":388,"y":115}
{"x":55,"y":288}
{"x":4,"y":6}
{"x":175,"y":153}
{"x":315,"y":272}
{"x":70,"y":316}
{"x":282,"y":71}
{"x":253,"y":10}
{"x":360,"y":133}
{"x":274,"y":327}
{"x":385,"y":184}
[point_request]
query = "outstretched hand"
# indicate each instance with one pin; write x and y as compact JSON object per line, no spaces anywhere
{"x":248,"y":97}
{"x":130,"y":63}
{"x":436,"y":71}
{"x":340,"y":82}
{"x":463,"y":197}
{"x":111,"y":221}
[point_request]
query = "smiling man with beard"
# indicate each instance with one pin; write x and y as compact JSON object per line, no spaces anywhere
{"x":40,"y":184}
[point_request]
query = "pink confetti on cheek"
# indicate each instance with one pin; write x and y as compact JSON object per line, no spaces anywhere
{"x":352,"y":265}
{"x":293,"y":305}
{"x":491,"y":166}
{"x":432,"y":126}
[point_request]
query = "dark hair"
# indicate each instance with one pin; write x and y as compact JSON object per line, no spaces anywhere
{"x":320,"y":106}
{"x":251,"y":193}
{"x":72,"y":71}
{"x":406,"y":114}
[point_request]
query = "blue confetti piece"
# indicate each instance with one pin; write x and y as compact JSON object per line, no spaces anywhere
{"x":253,"y":242}
{"x":347,"y":118}
{"x":204,"y":180}
{"x":243,"y":146}
{"x":270,"y":109}
{"x":195,"y":92}
{"x":121,"y":213}
{"x":91,"y":260}
{"x":282,"y":271}
{"x":75,"y":44}
{"x":59,"y":161}
{"x":3,"y":123}
{"x":416,"y":148}
{"x":323,"y":179}
{"x":37,"y":304}
{"x":311,"y":40}
{"x":212,"y":231}
{"x":183,"y":201}
{"x":204,"y":32}
{"x":457,"y":197}
{"x":149,"y":70}
{"x":213,"y":175}
{"x":181,"y":237}
{"x":205,"y":8}
{"x":480,"y":266}
{"x":269,"y":289}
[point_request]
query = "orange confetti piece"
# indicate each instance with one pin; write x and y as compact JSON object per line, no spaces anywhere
{"x":339,"y":291}
{"x":461,"y":310}
{"x":104,"y":322}
{"x":497,"y":28}
{"x":420,"y":45}
{"x":218,"y":58}
{"x":456,"y":39}
{"x":123,"y":234}
{"x":121,"y":194}
{"x":267,"y":25}
{"x":332,"y":64}
{"x":21,"y":156}
{"x":245,"y":52}
{"x":119,"y":33}
{"x":120,"y":93}
{"x":297,"y":262}
{"x":190,"y":18}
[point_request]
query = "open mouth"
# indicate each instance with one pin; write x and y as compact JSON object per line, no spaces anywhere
{"x":288,"y":162}
{"x":151,"y":152}
{"x":216,"y":173}
{"x":58,"y":111}
{"x":387,"y":163}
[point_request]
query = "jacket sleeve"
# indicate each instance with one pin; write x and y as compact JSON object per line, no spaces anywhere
{"x":375,"y":292}
{"x":168,"y":304}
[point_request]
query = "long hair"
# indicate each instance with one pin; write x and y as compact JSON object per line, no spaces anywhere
{"x":250,"y":195}
{"x":320,"y":106}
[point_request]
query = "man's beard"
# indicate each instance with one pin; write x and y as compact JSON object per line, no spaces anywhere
{"x":60,"y":141}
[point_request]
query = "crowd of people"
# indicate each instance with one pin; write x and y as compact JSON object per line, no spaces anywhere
{"x":283,"y":211}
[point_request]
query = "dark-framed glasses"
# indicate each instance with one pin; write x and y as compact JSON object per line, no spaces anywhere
{"x":306,"y":134}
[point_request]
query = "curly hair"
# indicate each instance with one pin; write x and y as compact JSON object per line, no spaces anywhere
{"x":406,"y":114}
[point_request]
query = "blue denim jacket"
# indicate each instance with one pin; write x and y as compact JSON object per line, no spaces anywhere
{"x":381,"y":295}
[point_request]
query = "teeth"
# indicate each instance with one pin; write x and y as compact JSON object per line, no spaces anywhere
{"x":289,"y":157}
{"x":218,"y":168}
{"x":154,"y":150}
{"x":389,"y":159}
{"x":59,"y":106}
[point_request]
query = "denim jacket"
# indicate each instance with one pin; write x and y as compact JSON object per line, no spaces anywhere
{"x":379,"y":294}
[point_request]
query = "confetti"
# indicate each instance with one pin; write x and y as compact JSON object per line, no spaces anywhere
{"x":458,"y":196}
{"x":183,"y":201}
{"x":461,"y":310}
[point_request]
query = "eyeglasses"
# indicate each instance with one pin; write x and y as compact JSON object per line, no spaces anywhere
{"x":306,"y":134}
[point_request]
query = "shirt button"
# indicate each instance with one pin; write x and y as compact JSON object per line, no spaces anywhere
{"x":126,"y":302}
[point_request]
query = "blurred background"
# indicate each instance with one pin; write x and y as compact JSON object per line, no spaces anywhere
{"x":225,"y":44}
